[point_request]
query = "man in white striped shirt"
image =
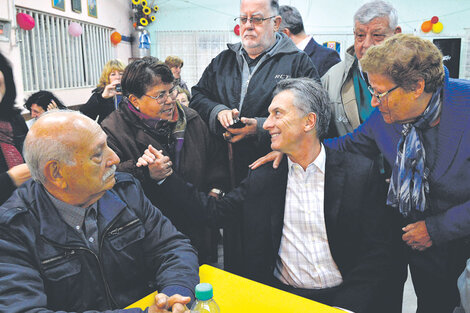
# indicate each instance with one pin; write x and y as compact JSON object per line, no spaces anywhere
{"x":316,"y":226}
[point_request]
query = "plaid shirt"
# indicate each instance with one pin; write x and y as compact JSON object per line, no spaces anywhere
{"x":305,"y":259}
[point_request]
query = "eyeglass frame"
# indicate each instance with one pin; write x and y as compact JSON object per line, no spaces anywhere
{"x":381,"y":95}
{"x":161,"y":98}
{"x":259,"y":20}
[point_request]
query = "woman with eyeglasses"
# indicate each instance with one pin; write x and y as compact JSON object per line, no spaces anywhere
{"x":13,"y":129}
{"x":150,"y":119}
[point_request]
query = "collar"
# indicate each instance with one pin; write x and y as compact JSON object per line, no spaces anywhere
{"x":73,"y":215}
{"x":301,"y":45}
{"x":319,"y":161}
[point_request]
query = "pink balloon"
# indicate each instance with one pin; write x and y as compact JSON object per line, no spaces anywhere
{"x":25,"y":21}
{"x":75,"y":29}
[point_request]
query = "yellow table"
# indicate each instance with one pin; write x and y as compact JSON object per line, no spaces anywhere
{"x":235,"y":294}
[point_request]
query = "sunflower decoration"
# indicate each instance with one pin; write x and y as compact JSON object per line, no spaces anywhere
{"x":144,"y":13}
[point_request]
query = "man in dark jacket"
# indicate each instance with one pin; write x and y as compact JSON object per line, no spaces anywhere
{"x":241,"y":79}
{"x":316,"y":226}
{"x":292,"y":25}
{"x":80,"y":237}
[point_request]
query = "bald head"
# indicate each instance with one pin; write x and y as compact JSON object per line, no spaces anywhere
{"x":55,"y":136}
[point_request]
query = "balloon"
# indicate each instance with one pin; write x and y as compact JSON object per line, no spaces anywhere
{"x":75,"y":29}
{"x":115,"y":38}
{"x":25,"y":21}
{"x":434,"y":19}
{"x":426,"y":26}
{"x":236,"y":30}
{"x":437,"y":28}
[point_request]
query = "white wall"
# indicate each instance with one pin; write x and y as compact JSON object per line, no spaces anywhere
{"x":326,"y":20}
{"x":111,"y":13}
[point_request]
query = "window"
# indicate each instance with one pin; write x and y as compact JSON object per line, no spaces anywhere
{"x":52,"y":59}
{"x":196,"y":49}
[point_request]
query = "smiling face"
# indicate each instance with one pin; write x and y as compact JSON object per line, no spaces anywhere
{"x":285,"y":123}
{"x":371,"y":34}
{"x":183,"y":99}
{"x":176,"y":70}
{"x":152,"y":107}
{"x":258,"y":38}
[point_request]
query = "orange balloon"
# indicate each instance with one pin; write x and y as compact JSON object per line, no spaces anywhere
{"x":426,"y":26}
{"x":115,"y":38}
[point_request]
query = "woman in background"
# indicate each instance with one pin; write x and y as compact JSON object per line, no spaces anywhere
{"x":13,"y":129}
{"x":40,"y":102}
{"x":106,"y":95}
{"x":183,"y":96}
{"x":175,"y":64}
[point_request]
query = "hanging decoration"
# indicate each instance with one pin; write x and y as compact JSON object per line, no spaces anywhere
{"x":143,"y":13}
{"x":432,"y":24}
{"x":116,"y":38}
{"x":236,"y":30}
{"x":75,"y":29}
{"x":25,"y":21}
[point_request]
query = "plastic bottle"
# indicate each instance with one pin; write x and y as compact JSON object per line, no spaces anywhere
{"x":204,"y":302}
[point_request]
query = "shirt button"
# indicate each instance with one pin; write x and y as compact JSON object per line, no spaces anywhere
{"x":77,"y":227}
{"x":91,"y":239}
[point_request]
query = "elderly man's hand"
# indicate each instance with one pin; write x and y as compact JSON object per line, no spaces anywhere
{"x":227,"y":117}
{"x":159,"y":165}
{"x":416,"y":236}
{"x":174,"y":304}
{"x":236,"y":134}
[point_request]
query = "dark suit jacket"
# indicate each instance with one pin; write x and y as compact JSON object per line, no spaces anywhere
{"x":354,"y":216}
{"x":322,"y":57}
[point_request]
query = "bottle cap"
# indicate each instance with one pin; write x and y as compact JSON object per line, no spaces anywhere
{"x":204,"y":291}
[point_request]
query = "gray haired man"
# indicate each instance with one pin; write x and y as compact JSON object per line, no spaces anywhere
{"x":315,"y":226}
{"x":345,"y":82}
{"x":81,"y":237}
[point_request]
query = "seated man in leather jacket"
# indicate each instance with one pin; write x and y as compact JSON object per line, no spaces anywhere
{"x":80,"y":237}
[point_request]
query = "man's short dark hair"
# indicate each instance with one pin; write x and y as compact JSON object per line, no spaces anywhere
{"x":291,"y":19}
{"x":309,"y":96}
{"x":43,"y":98}
{"x":142,"y":74}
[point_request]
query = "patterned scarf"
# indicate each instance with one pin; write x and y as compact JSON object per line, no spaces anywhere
{"x":171,"y":132}
{"x":7,"y":145}
{"x":409,"y":183}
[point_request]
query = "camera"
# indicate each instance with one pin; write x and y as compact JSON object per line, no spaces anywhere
{"x":118,"y":88}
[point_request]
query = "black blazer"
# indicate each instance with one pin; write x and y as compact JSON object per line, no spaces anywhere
{"x":355,"y":220}
{"x":322,"y":57}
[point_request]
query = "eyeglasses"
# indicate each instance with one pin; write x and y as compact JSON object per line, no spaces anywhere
{"x":256,"y":20}
{"x":381,"y":95}
{"x":161,"y":98}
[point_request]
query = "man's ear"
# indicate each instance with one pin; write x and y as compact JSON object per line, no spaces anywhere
{"x":277,"y":22}
{"x":53,"y":174}
{"x":310,"y":121}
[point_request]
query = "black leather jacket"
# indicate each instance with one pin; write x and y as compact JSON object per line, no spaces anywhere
{"x":45,"y":265}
